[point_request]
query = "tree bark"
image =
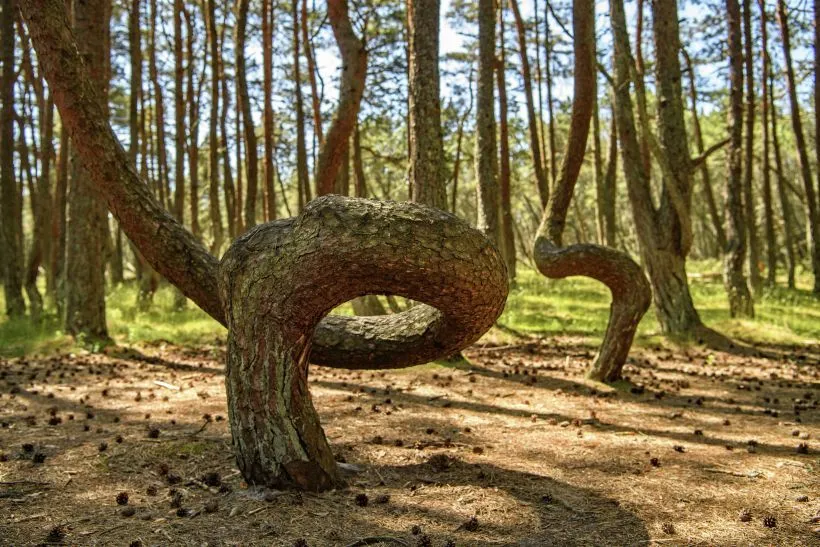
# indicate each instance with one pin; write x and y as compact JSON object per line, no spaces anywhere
{"x":268,"y":279}
{"x":541,"y":183}
{"x":267,"y":77}
{"x":553,"y":163}
{"x":194,"y":97}
{"x":755,"y":279}
{"x":425,"y":135}
{"x":87,"y":215}
{"x":771,"y":240}
{"x":800,"y":142}
{"x":179,"y":116}
{"x":505,"y":172}
{"x":311,"y":68}
{"x":153,"y":73}
{"x":233,"y":217}
{"x":334,"y":152}
{"x":11,"y":199}
{"x":785,"y":204}
{"x":243,"y":98}
{"x":624,"y":278}
{"x":740,"y":299}
{"x":213,"y":148}
{"x":301,"y":146}
{"x":486,"y":151}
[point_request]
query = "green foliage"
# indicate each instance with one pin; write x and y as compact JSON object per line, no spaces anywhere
{"x":536,"y":306}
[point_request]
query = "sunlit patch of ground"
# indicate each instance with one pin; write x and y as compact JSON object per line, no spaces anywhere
{"x":515,"y":438}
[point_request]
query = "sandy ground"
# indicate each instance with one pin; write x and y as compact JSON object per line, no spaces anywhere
{"x":514,"y":448}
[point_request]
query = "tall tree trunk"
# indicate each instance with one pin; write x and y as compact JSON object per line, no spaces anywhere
{"x":334,"y":154}
{"x":267,"y":78}
{"x":486,"y":151}
{"x":664,"y":235}
{"x":605,"y":181}
{"x":87,"y":214}
{"x":541,"y":182}
{"x":213,"y":148}
{"x":706,"y":179}
{"x":159,"y":107}
{"x":624,"y":278}
{"x":179,"y":115}
{"x":755,"y":279}
{"x":426,"y":145}
{"x":243,"y":98}
{"x":234,"y":221}
{"x":771,"y":240}
{"x":548,"y":73}
{"x":505,"y":171}
{"x":785,"y":204}
{"x":311,"y":69}
{"x":303,"y":184}
{"x":194,"y":98}
{"x":11,"y":199}
{"x":740,"y":300}
{"x":58,"y":225}
{"x":813,"y":229}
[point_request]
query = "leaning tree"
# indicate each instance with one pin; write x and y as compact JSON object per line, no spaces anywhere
{"x":276,"y":284}
{"x":628,"y":285}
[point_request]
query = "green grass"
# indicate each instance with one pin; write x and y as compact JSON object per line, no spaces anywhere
{"x":539,"y":306}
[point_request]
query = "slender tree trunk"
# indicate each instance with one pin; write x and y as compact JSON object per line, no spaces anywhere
{"x":771,"y":240}
{"x":548,"y":69}
{"x":740,"y":299}
{"x":486,"y":151}
{"x":159,"y":107}
{"x":87,"y":214}
{"x":193,"y":96}
{"x":785,"y":204}
{"x":624,"y":278}
{"x":233,"y":217}
{"x":311,"y":68}
{"x":267,"y":78}
{"x":213,"y":148}
{"x":243,"y":98}
{"x":335,"y":152}
{"x":426,"y":145}
{"x":755,"y":279}
{"x":179,"y":115}
{"x":11,"y":199}
{"x":58,"y":224}
{"x":541,"y":182}
{"x":303,"y":184}
{"x":708,"y":194}
{"x":505,"y":172}
{"x":800,"y":141}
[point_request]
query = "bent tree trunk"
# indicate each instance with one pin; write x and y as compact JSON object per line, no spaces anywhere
{"x":268,"y":281}
{"x":375,"y":247}
{"x":624,"y":278}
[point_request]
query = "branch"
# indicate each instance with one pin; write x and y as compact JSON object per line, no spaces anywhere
{"x":698,"y":160}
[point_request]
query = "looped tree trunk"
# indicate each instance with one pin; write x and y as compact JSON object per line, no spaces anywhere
{"x":281,"y":279}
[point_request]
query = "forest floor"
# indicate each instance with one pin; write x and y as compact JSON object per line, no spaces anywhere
{"x":514,"y":437}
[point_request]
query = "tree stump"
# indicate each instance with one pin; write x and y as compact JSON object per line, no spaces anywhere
{"x":279,"y":280}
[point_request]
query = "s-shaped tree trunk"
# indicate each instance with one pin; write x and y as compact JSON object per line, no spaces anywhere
{"x":626,"y":281}
{"x":349,"y":247}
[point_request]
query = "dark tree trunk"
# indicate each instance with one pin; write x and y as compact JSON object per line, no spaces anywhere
{"x":243,"y":98}
{"x":194,"y":94}
{"x":179,"y":116}
{"x":162,"y":160}
{"x":335,"y":151}
{"x":541,"y":182}
{"x":11,"y":199}
{"x":214,"y":212}
{"x":740,"y":300}
{"x":553,"y":163}
{"x":426,"y":145}
{"x":311,"y":68}
{"x":800,"y":142}
{"x":233,"y":218}
{"x":267,"y":77}
{"x":624,"y":278}
{"x":755,"y":279}
{"x":486,"y":151}
{"x":58,"y":224}
{"x":505,"y":171}
{"x":771,"y":240}
{"x":303,"y":184}
{"x":785,"y":204}
{"x":87,"y":214}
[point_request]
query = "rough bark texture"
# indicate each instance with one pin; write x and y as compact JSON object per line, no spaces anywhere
{"x":740,"y":300}
{"x":267,"y":77}
{"x":425,"y":139}
{"x":87,"y":215}
{"x":505,"y":171}
{"x":249,"y":130}
{"x":486,"y":153}
{"x":800,"y":142}
{"x":624,"y":278}
{"x":345,"y":248}
{"x":771,"y":240}
{"x":541,"y":182}
{"x":335,"y":148}
{"x":11,"y":206}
